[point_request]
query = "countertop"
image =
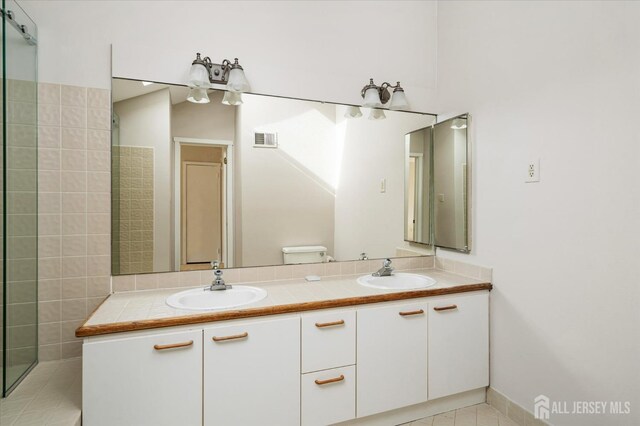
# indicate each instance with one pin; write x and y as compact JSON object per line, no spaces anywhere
{"x":143,"y":310}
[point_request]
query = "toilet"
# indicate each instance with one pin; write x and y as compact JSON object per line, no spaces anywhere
{"x":304,"y":254}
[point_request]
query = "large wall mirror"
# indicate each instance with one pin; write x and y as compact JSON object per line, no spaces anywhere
{"x":437,"y":182}
{"x":269,"y":182}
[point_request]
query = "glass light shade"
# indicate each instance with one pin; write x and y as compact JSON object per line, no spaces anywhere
{"x":459,"y":124}
{"x":353,"y":112}
{"x":198,"y":76}
{"x":377,"y":114}
{"x":398,"y":100}
{"x":237,"y":81}
{"x":232,"y":98}
{"x":372,"y":98}
{"x":198,"y":96}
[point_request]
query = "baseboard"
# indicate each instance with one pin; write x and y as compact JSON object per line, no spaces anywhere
{"x":425,"y":409}
{"x":513,"y":411}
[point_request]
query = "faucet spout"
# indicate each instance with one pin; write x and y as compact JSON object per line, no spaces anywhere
{"x":386,"y":270}
{"x":218,"y":283}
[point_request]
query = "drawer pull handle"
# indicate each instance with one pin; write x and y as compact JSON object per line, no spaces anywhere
{"x":407,"y":313}
{"x":445,"y":308}
{"x":329,"y":324}
{"x":173,"y":346}
{"x":326,"y":382}
{"x":234,"y":337}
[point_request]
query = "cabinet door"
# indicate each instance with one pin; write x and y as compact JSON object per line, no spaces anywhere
{"x":392,"y":357}
{"x":328,"y":340}
{"x":458,"y":344}
{"x":138,"y":381}
{"x":252,"y":373}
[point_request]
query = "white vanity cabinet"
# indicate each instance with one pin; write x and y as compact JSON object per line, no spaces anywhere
{"x":252,"y":373}
{"x":458,"y":344}
{"x":313,"y":368}
{"x":147,"y":380}
{"x":392,"y":357}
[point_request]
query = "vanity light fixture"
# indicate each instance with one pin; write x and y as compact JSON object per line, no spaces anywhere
{"x":205,"y":73}
{"x":376,"y":96}
{"x":198,"y":95}
{"x":459,"y":124}
{"x":353,"y":112}
{"x":147,"y":83}
{"x":377,"y":114}
{"x":232,"y":98}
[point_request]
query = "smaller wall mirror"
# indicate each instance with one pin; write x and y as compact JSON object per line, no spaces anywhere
{"x":437,"y":182}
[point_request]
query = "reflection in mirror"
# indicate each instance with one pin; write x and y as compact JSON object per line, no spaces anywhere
{"x":437,"y":185}
{"x":418,"y":158}
{"x":267,"y":181}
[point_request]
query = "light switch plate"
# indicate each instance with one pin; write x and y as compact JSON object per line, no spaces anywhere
{"x":533,"y":171}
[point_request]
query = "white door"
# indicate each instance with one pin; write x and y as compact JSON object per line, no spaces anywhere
{"x":392,"y":357}
{"x":139,"y":381}
{"x":252,"y":373}
{"x":202,"y":212}
{"x":458,"y":344}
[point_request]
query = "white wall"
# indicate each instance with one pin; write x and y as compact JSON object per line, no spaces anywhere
{"x":146,"y":121}
{"x":287,"y":198}
{"x":204,"y":121}
{"x":315,"y":50}
{"x":557,"y":81}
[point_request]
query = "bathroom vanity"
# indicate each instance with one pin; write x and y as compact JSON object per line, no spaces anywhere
{"x":309,"y":353}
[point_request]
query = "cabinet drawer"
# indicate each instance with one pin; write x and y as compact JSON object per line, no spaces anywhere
{"x":329,"y":396}
{"x":328,"y":340}
{"x":458,"y":344}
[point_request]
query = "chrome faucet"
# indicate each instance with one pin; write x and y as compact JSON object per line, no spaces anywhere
{"x":218,"y":283}
{"x":386,"y":269}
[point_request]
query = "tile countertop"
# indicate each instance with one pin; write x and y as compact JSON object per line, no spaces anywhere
{"x":143,"y":310}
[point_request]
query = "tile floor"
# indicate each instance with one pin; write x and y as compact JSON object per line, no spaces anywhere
{"x":50,"y":395}
{"x":475,"y":415}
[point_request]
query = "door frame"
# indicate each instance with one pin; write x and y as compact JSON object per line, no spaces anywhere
{"x":227,"y":197}
{"x":418,"y":188}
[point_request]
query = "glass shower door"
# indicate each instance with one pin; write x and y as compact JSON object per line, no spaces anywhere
{"x":19,"y":196}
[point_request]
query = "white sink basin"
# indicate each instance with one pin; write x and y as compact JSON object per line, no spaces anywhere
{"x":199,"y":299}
{"x":397,"y":281}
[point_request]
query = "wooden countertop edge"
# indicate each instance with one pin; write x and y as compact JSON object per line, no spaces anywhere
{"x":120,"y":327}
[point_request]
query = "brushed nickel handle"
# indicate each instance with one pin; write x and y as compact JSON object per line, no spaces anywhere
{"x":329,"y":324}
{"x":173,"y":346}
{"x":445,"y":308}
{"x":326,"y":382}
{"x":407,"y":313}
{"x":233,"y":337}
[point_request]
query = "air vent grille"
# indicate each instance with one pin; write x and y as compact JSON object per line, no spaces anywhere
{"x":265,"y":140}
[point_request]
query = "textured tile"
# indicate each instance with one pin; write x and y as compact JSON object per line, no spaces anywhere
{"x":49,"y":93}
{"x":73,"y":96}
{"x":73,"y":117}
{"x":74,"y":138}
{"x":98,"y":118}
{"x":98,"y":98}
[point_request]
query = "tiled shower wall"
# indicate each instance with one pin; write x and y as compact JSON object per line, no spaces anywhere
{"x":74,"y":212}
{"x":132,"y":209}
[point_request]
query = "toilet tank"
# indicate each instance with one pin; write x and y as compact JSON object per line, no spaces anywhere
{"x":304,"y":254}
